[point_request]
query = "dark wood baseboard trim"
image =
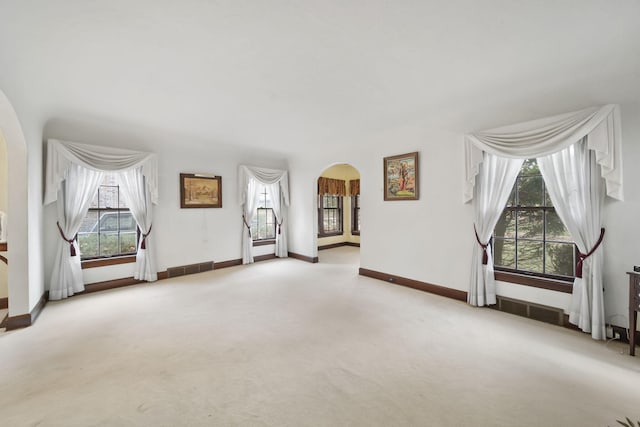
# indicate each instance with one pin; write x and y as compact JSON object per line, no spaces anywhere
{"x":415,"y":284}
{"x":163,"y":275}
{"x":266,"y":257}
{"x":312,"y":260}
{"x":190,"y":269}
{"x":337,"y":245}
{"x":110,"y":284}
{"x":226,"y":264}
{"x":24,"y":320}
{"x":4,"y":303}
{"x":103,"y":262}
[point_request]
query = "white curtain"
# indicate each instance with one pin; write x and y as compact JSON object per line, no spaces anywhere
{"x":64,"y":160}
{"x":75,"y":195}
{"x":600,"y":128}
{"x":62,"y":154}
{"x":495,"y":182}
{"x":575,"y":188}
{"x":138,"y":197}
{"x":248,"y":179}
{"x":279,"y":211}
{"x":248,"y":211}
{"x":547,"y":136}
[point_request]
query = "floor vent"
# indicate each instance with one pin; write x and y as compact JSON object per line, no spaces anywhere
{"x":189,"y":269}
{"x":543,"y":313}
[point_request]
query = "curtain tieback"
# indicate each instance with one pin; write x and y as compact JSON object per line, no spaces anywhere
{"x":582,"y":257}
{"x":247,"y":225}
{"x":280,"y":226}
{"x":70,"y":241}
{"x":143,"y":245}
{"x":485,"y":254}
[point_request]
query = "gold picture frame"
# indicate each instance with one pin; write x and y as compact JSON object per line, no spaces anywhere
{"x":200,"y":191}
{"x":401,"y":177}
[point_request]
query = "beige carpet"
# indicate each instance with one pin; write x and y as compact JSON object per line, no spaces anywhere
{"x":287,"y":343}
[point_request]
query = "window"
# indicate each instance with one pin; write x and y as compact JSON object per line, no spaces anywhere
{"x":329,"y":215}
{"x":263,"y":226}
{"x":108,"y":229}
{"x":355,"y":214}
{"x":529,"y":237}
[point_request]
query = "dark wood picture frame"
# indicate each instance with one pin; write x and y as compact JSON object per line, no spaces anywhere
{"x":200,"y":191}
{"x":401,"y":177}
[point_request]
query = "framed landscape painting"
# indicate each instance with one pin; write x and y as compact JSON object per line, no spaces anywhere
{"x":200,"y":191}
{"x":401,"y":177}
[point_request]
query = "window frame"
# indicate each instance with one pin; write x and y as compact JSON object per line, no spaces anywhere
{"x":531,"y":278}
{"x":340,"y":215}
{"x":117,"y":258}
{"x":355,"y":214}
{"x":266,"y":240}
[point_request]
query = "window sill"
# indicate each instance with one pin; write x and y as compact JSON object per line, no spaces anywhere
{"x":331,"y":234}
{"x":264,"y":242}
{"x":534,"y":281}
{"x":103,"y":262}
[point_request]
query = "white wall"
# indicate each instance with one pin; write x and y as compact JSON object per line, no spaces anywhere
{"x":345,"y":173}
{"x":431,"y":239}
{"x":183,"y":236}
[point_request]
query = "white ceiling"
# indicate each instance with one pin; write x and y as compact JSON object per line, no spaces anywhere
{"x":293,"y":73}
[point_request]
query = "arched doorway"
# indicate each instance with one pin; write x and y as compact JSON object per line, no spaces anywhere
{"x":19,"y":299}
{"x":338,"y":214}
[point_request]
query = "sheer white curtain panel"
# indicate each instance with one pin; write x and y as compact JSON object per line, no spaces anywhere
{"x":575,"y":187}
{"x":496,"y":178}
{"x":138,"y":197}
{"x":74,"y":198}
{"x":279,"y":211}
{"x":248,"y":211}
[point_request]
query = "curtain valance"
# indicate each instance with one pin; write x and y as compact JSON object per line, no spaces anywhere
{"x":354,"y":187}
{"x":332,"y":187}
{"x":62,"y":154}
{"x":264,"y":176}
{"x":538,"y":138}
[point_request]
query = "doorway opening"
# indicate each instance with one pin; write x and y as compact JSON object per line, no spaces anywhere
{"x":338,"y":215}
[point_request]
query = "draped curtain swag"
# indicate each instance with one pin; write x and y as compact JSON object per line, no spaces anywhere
{"x":542,"y":137}
{"x":354,"y":187}
{"x":73,"y":174}
{"x":277,"y":185}
{"x":331,"y":187}
{"x":561,"y":144}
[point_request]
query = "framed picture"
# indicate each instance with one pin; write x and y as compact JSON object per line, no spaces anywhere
{"x":200,"y":191}
{"x":401,"y":177}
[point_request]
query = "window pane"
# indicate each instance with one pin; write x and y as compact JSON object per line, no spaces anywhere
{"x":530,"y":256}
{"x":506,"y":226}
{"x":108,"y":244}
{"x":530,"y":191}
{"x":512,"y":197}
{"x":108,"y":197}
{"x":560,"y":259}
{"x":504,"y":253}
{"x":88,"y":243}
{"x":530,"y":224}
{"x":128,"y":243}
{"x":555,"y":228}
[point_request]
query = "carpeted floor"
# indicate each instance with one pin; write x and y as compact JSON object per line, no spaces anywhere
{"x":287,"y":343}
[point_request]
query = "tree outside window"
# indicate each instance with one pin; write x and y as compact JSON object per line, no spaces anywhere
{"x":529,"y":236}
{"x":263,"y":226}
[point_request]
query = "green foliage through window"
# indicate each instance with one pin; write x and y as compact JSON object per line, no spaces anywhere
{"x":529,"y":236}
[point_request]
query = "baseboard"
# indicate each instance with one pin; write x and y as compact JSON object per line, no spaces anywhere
{"x":24,"y":320}
{"x":226,"y":264}
{"x":415,"y":284}
{"x":266,"y":257}
{"x":110,"y":284}
{"x":303,"y":257}
{"x":338,"y":245}
{"x":4,"y":303}
{"x":190,"y":269}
